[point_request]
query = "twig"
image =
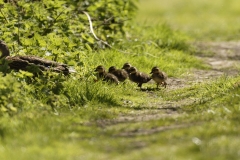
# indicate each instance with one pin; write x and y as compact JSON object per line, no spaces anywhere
{"x":92,"y":31}
{"x":18,"y":24}
{"x":91,"y":26}
{"x":108,"y":21}
{"x":55,"y":19}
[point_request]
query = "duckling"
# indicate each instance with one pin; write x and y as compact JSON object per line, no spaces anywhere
{"x":126,"y":67}
{"x":121,"y":74}
{"x":102,"y":74}
{"x":159,"y":77}
{"x":138,"y":77}
{"x":24,"y":62}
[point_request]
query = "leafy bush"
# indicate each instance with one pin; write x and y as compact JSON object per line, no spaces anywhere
{"x":55,"y":28}
{"x":58,"y":30}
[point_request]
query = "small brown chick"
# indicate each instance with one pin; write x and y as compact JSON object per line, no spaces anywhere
{"x":138,"y":77}
{"x":121,"y":74}
{"x":102,"y":74}
{"x":127,"y":67}
{"x":159,"y":77}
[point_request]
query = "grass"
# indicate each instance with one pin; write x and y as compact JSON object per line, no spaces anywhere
{"x":77,"y":118}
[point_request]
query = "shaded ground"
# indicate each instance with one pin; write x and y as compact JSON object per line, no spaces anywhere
{"x":223,"y":59}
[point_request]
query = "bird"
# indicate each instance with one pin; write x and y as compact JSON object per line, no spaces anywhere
{"x":159,"y":77}
{"x":126,"y":67}
{"x":138,"y":77}
{"x":102,"y":74}
{"x":121,"y":74}
{"x":24,"y":63}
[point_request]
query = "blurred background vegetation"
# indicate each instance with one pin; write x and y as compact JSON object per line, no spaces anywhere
{"x":217,"y":20}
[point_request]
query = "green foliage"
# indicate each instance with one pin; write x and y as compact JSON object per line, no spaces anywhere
{"x":57,"y":27}
{"x":58,"y":30}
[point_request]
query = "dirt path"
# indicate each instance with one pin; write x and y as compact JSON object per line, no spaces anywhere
{"x":222,"y":57}
{"x":226,"y":56}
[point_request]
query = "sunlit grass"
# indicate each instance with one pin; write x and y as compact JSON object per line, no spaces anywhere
{"x":206,"y":90}
{"x":173,"y":62}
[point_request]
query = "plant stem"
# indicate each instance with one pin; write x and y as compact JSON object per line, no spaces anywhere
{"x":4,"y":16}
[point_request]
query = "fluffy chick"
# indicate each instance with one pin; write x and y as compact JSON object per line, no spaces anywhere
{"x":159,"y":77}
{"x":121,"y":74}
{"x":127,"y":67}
{"x":138,"y":77}
{"x":102,"y":74}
